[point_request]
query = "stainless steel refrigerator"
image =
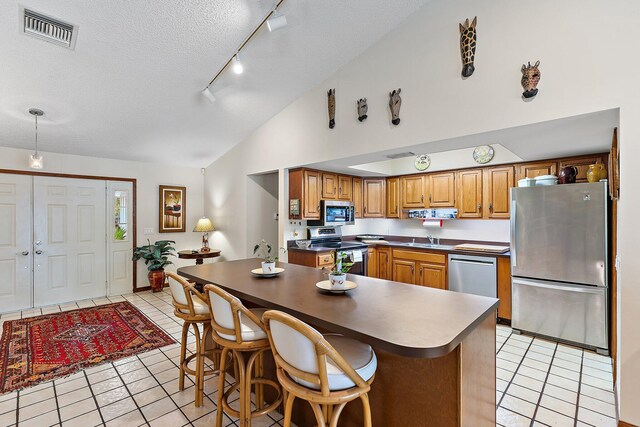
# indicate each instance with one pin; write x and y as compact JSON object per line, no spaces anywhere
{"x":559,"y":262}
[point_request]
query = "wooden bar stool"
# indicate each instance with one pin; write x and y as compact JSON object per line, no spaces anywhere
{"x":328,"y":371}
{"x":240,"y":331}
{"x":193,"y":307}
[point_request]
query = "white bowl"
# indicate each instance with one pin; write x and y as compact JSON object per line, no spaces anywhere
{"x":546,"y":180}
{"x":526,"y":182}
{"x":303,"y":244}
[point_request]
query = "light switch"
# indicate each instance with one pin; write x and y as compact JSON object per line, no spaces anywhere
{"x":148,"y":231}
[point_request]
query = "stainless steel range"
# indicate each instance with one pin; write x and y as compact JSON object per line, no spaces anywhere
{"x":331,"y":237}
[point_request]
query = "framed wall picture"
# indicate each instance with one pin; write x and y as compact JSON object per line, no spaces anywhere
{"x":173,"y":202}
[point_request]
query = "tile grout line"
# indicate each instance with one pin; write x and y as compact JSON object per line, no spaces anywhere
{"x":575,"y":419}
{"x":86,"y":377}
{"x":514,"y":373}
{"x":544,"y":384}
{"x":131,"y":395}
{"x":55,"y":396}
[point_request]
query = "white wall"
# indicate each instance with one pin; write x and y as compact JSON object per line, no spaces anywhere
{"x":587,"y":50}
{"x":262,"y":202}
{"x":149,"y":176}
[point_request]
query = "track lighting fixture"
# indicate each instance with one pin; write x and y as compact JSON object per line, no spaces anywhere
{"x":206,"y":92}
{"x":276,"y":21}
{"x":237,"y":65}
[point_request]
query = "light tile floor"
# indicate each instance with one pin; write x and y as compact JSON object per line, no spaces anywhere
{"x":539,"y":383}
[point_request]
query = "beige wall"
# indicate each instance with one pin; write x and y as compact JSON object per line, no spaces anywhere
{"x":149,"y":177}
{"x":587,"y":50}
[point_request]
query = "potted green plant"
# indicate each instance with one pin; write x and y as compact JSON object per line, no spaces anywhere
{"x":338,"y":273}
{"x":263,"y":250}
{"x":155,"y":257}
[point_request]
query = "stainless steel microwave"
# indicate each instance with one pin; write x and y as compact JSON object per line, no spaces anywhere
{"x":335,"y":213}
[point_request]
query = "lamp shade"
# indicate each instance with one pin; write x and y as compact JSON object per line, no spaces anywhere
{"x":204,"y":225}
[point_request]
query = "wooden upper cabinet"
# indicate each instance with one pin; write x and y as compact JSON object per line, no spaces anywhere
{"x":393,"y":197}
{"x":357,"y":196}
{"x":469,"y":193}
{"x":498,"y":182}
{"x":412,"y":191}
{"x":442,"y":190}
{"x":305,"y":185}
{"x":312,"y":182}
{"x":431,"y":275}
{"x":345,"y":188}
{"x":329,"y":186}
{"x":534,"y":169}
{"x":374,"y":198}
{"x":582,"y":163}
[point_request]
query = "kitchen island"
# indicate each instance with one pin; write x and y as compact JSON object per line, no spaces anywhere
{"x":436,"y":349}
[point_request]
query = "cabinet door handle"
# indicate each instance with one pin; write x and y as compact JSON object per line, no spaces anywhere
{"x":420,"y":271}
{"x":490,"y":207}
{"x":429,"y":198}
{"x":412,"y":269}
{"x":422,"y":199}
{"x":365,"y":209}
{"x":479,"y":207}
{"x":318,"y":207}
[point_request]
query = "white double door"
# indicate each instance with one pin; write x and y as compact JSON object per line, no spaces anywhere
{"x":53,"y":241}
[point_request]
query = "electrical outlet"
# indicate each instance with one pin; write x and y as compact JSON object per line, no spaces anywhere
{"x":148,"y":231}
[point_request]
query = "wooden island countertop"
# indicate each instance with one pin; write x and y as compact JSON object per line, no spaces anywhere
{"x":435,"y":348}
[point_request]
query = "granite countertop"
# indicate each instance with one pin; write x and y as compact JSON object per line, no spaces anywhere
{"x":433,"y":321}
{"x":446,"y":245}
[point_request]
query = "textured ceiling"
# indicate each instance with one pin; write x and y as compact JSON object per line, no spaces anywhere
{"x":130,"y":89}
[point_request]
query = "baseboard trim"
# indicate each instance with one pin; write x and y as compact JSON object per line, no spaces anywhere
{"x":625,"y":424}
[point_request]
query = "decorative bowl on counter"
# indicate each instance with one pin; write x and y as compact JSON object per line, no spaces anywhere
{"x":546,"y":180}
{"x":303,"y":244}
{"x":526,"y":182}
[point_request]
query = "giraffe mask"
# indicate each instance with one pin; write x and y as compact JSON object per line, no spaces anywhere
{"x":530,"y":78}
{"x":468,"y":46}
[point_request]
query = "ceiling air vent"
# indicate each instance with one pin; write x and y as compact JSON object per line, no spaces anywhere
{"x":400,"y":155}
{"x":47,"y":28}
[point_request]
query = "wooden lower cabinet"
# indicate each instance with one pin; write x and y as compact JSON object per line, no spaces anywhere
{"x":504,"y":287}
{"x":403,"y":271}
{"x":432,"y":275}
{"x":311,"y":258}
{"x":420,"y":268}
{"x":384,"y":263}
{"x":372,"y":262}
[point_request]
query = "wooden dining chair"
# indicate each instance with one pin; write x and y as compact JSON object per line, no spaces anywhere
{"x":328,"y":371}
{"x":193,"y":308}
{"x":240,"y":331}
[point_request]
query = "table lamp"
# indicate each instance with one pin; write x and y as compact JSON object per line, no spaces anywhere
{"x":204,"y":226}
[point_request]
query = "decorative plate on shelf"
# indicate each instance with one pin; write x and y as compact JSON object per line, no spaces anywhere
{"x":258,"y":272}
{"x":483,"y":154}
{"x":422,"y":162}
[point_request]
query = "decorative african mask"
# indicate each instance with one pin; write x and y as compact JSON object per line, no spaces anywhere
{"x":468,"y":46}
{"x":332,"y":108}
{"x":362,"y":109}
{"x":394,"y":105}
{"x":530,"y":78}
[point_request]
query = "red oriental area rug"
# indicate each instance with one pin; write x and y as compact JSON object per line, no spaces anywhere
{"x":51,"y":346}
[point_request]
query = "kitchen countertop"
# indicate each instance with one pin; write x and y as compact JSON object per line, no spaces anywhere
{"x":447,"y":245}
{"x":410,"y":321}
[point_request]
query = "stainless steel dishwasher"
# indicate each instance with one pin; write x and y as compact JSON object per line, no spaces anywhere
{"x":473,"y":275}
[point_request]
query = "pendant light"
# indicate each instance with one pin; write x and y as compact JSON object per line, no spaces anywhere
{"x":35,"y":160}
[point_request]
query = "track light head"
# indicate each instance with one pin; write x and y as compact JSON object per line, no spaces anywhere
{"x":276,"y":22}
{"x":237,"y":65}
{"x":206,"y":92}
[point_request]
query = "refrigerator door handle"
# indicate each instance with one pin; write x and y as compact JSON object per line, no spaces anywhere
{"x":514,"y":247}
{"x":587,"y":289}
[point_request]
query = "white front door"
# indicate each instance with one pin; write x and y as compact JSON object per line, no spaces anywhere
{"x":120,"y":236}
{"x":69,"y":240}
{"x":15,"y":242}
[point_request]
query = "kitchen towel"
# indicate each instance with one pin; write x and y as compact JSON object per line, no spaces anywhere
{"x":357,"y":256}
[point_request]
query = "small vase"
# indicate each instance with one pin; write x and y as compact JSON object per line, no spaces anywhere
{"x":338,"y":281}
{"x":596,"y":172}
{"x":268,"y":267}
{"x":156,"y":280}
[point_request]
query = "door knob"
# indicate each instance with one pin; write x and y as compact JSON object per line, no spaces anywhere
{"x":25,"y":253}
{"x":39,"y":252}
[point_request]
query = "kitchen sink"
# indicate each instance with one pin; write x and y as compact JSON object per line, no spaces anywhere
{"x":426,"y":245}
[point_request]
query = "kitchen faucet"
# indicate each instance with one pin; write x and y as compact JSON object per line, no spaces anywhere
{"x":431,"y":238}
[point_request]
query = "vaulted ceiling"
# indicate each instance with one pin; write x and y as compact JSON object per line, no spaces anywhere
{"x":131,"y":88}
